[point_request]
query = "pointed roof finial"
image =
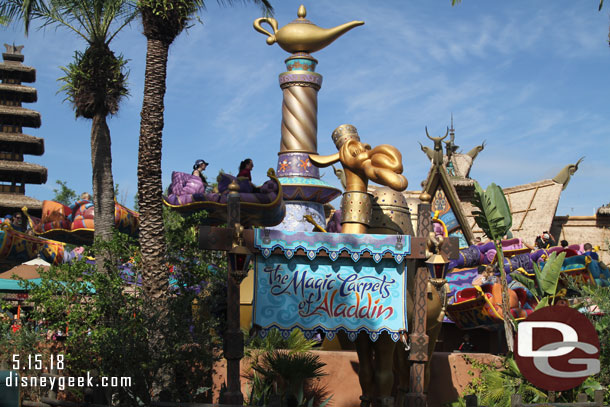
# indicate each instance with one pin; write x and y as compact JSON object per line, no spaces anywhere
{"x":13,"y":54}
{"x":452,"y":130}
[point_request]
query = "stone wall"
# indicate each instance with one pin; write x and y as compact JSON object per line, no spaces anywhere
{"x":584,"y":229}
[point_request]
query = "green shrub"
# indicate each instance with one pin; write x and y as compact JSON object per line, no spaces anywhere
{"x":282,"y":370}
{"x":108,"y":319}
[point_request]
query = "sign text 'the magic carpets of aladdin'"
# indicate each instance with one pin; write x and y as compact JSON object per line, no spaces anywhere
{"x":331,"y":293}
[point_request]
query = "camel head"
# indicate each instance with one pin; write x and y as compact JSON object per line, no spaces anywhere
{"x":382,"y":164}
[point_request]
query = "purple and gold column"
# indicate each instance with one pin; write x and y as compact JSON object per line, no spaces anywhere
{"x":304,"y":192}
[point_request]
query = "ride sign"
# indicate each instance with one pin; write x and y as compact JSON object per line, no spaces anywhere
{"x":344,"y":282}
{"x":557,"y":348}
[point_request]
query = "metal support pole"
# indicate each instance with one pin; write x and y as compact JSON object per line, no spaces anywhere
{"x":233,"y":338}
{"x":419,"y":339}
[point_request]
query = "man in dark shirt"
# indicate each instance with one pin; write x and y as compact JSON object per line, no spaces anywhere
{"x":545,"y":240}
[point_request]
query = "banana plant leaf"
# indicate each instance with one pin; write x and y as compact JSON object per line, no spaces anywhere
{"x":493,"y":213}
{"x":542,"y":303}
{"x":527,"y":282}
{"x":548,"y":278}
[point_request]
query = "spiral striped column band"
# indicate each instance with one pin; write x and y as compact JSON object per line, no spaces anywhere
{"x":300,"y":111}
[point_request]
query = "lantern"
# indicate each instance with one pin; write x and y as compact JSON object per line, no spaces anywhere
{"x":437,"y":265}
{"x":239,"y":260}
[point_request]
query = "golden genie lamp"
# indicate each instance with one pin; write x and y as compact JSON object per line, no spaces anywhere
{"x":302,"y":35}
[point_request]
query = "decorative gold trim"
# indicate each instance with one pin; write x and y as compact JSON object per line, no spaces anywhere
{"x":356,"y":207}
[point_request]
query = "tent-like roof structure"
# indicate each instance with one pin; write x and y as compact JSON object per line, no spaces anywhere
{"x":446,"y":205}
{"x":9,"y":280}
{"x":533,"y":205}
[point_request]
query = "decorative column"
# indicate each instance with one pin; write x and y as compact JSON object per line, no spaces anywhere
{"x":231,"y":240}
{"x":238,"y":260}
{"x":304,"y":192}
{"x":233,"y":338}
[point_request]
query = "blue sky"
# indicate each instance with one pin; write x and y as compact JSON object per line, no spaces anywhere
{"x":532,"y":78}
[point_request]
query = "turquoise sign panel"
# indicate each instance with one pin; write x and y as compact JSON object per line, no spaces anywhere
{"x":327,"y":295}
{"x":269,"y":241}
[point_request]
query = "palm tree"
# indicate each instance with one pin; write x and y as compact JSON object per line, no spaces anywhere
{"x":95,"y":82}
{"x":163,"y":21}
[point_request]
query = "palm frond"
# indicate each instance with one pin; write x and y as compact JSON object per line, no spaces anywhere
{"x":265,"y":5}
{"x":96,"y":21}
{"x":295,"y":342}
{"x":95,"y":81}
{"x":289,"y":370}
{"x":19,"y":11}
{"x":496,"y":389}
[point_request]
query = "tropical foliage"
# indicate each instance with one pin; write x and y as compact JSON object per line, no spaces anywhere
{"x":284,"y":372}
{"x":493,"y":216}
{"x":598,"y":300}
{"x":295,"y":342}
{"x":102,"y":321}
{"x":546,"y":283}
{"x":494,"y":387}
{"x":64,"y":194}
{"x":94,"y":83}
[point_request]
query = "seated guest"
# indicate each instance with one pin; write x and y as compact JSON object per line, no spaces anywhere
{"x":198,"y":168}
{"x":545,"y":240}
{"x":18,"y":222}
{"x":486,"y":276}
{"x":590,"y":252}
{"x":245,"y":169}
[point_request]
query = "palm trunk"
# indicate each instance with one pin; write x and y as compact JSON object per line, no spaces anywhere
{"x":152,"y":237}
{"x":507,"y":316}
{"x":103,"y":183}
{"x":155,"y":273}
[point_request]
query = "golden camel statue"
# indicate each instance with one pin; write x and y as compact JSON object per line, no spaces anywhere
{"x":361,"y":163}
{"x":382,"y":164}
